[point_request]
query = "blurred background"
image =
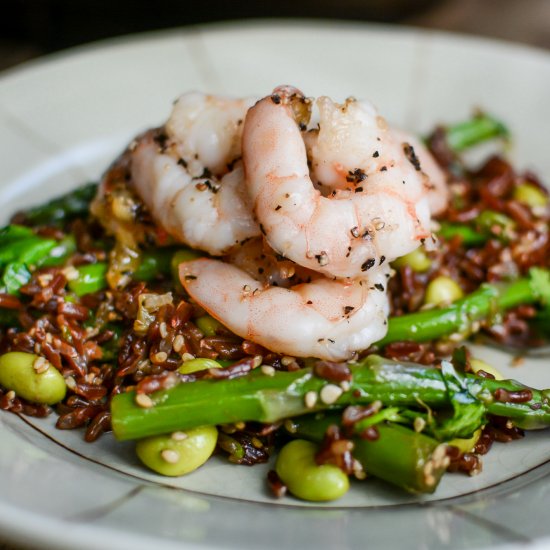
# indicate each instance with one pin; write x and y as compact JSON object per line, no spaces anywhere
{"x":30,"y":28}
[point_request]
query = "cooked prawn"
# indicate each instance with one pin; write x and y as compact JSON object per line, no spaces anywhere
{"x":328,"y":319}
{"x":190,"y":175}
{"x":377,"y":209}
{"x":256,"y":258}
{"x":438,"y":189}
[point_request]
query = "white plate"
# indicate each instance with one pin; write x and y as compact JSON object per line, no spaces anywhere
{"x":63,"y":120}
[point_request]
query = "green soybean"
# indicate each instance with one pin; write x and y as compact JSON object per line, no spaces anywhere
{"x":91,"y":278}
{"x":178,"y":453}
{"x":497,"y":224}
{"x":417,"y":260}
{"x":208,"y":325}
{"x":200,"y":363}
{"x":31,"y":377}
{"x":530,"y":194}
{"x":183,"y":255}
{"x":305,"y":479}
{"x":442,"y":290}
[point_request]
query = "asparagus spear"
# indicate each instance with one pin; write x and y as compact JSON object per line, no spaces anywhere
{"x":21,"y":250}
{"x":480,"y":128}
{"x":411,"y":460}
{"x":264,"y":398}
{"x":486,"y":302}
{"x":60,"y":210}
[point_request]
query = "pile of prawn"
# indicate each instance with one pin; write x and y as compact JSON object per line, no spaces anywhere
{"x":301,"y":205}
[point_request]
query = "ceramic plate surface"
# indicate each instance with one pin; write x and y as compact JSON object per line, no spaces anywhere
{"x":64,"y":119}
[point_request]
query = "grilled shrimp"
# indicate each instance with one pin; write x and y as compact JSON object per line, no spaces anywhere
{"x":256,"y":258}
{"x":438,"y":190}
{"x":190,"y":175}
{"x":377,"y":209}
{"x":326,"y":318}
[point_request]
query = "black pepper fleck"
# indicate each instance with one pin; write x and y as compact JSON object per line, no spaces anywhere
{"x":368,"y":264}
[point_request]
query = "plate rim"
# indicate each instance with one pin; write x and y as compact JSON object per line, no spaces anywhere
{"x":19,"y":532}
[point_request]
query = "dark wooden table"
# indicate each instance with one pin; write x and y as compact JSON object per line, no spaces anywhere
{"x":526,"y":21}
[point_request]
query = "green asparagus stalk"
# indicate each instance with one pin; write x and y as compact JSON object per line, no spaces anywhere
{"x":410,"y":460}
{"x":60,"y":210}
{"x":459,"y":317}
{"x":476,"y":130}
{"x":264,"y":398}
{"x":21,"y":251}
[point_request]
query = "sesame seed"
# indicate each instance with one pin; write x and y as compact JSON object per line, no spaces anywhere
{"x":268,"y":370}
{"x":428,"y":468}
{"x":71,"y":383}
{"x":358,"y":470}
{"x":330,"y":394}
{"x":322,"y":258}
{"x":187,"y":356}
{"x":160,"y":357}
{"x":378,"y":224}
{"x":70,"y":273}
{"x":144,"y":401}
{"x":10,"y":395}
{"x":40,"y":365}
{"x":345,"y":385}
{"x":45,"y":279}
{"x":240,"y":425}
{"x":439,"y":452}
{"x":257,"y":361}
{"x":257,"y":443}
{"x":310,"y":399}
{"x":178,"y":343}
{"x":163,"y":330}
{"x":287,"y":360}
{"x":419,"y":424}
{"x":170,"y":456}
{"x":179,"y":436}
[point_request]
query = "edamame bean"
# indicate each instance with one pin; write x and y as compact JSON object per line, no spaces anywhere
{"x":304,"y":478}
{"x":178,"y":453}
{"x":200,"y":363}
{"x":497,"y":224}
{"x":183,"y":255}
{"x":32,"y":377}
{"x":478,"y":364}
{"x":530,"y":194}
{"x":91,"y":278}
{"x":208,"y":325}
{"x":442,"y":290}
{"x":417,"y":260}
